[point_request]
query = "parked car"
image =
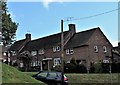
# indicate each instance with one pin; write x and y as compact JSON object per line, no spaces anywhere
{"x":51,"y":78}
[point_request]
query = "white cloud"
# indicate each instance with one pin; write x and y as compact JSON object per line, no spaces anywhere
{"x":47,"y":2}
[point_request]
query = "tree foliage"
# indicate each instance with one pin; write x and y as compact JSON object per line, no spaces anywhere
{"x":8,"y":26}
{"x":26,"y":58}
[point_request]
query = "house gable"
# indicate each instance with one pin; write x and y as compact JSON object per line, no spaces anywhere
{"x":99,"y":40}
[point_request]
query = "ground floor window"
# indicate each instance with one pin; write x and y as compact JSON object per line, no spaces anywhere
{"x":57,"y":61}
{"x":21,"y":64}
{"x":34,"y":63}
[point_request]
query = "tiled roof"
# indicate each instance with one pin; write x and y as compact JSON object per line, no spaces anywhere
{"x":16,"y":45}
{"x":80,"y":38}
{"x":45,"y":42}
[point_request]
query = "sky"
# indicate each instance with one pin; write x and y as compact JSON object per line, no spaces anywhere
{"x":44,"y":18}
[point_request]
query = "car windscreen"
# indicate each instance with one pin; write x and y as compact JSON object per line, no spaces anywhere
{"x":52,"y":75}
{"x":43,"y":74}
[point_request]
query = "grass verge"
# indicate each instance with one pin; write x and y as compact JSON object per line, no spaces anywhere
{"x":89,"y":78}
{"x":11,"y":75}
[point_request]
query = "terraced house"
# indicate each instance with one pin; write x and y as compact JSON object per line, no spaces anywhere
{"x":86,"y":47}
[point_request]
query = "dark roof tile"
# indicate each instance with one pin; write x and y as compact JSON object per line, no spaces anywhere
{"x":16,"y":45}
{"x":45,"y":42}
{"x":80,"y":38}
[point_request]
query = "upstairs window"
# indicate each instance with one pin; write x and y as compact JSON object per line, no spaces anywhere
{"x":69,"y":51}
{"x":56,"y":48}
{"x":41,"y":51}
{"x":13,"y":53}
{"x":96,"y":48}
{"x":105,"y":49}
{"x":33,"y":53}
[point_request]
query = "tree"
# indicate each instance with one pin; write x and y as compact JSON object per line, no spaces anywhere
{"x":26,"y":58}
{"x":8,"y":26}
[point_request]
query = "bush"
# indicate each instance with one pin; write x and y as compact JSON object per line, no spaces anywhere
{"x":58,"y":68}
{"x":72,"y":68}
{"x":98,"y":68}
{"x":105,"y":67}
{"x":92,"y":69}
{"x":69,"y":68}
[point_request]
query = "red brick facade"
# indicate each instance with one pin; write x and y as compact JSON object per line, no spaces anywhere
{"x":82,"y":44}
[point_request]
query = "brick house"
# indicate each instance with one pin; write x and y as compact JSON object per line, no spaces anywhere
{"x":116,"y":53}
{"x":86,"y":47}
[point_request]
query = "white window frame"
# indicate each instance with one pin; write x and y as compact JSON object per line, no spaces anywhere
{"x":56,"y":48}
{"x":34,"y":63}
{"x":105,"y":49}
{"x":1,"y":43}
{"x":69,"y":51}
{"x":13,"y":53}
{"x":21,"y":64}
{"x":41,"y":51}
{"x":34,"y":53}
{"x":57,"y":61}
{"x":96,"y":48}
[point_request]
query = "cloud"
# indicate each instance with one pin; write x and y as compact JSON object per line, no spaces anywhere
{"x":47,"y":2}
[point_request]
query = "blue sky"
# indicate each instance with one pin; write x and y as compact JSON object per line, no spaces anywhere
{"x":43,"y":19}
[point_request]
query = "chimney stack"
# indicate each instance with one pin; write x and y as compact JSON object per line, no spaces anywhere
{"x":72,"y":28}
{"x":28,"y":36}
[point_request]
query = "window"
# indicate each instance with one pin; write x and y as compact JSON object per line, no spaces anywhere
{"x":69,"y":51}
{"x":96,"y":48}
{"x":34,"y":63}
{"x":5,"y":53}
{"x":52,"y":75}
{"x":57,"y":61}
{"x":21,"y":64}
{"x":33,"y":53}
{"x":56,"y":48}
{"x":104,"y":49}
{"x":1,"y":43}
{"x":41,"y":51}
{"x":13,"y":53}
{"x":43,"y":74}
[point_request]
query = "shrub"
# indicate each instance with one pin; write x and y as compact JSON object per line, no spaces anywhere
{"x":69,"y":68}
{"x":80,"y":68}
{"x":98,"y":68}
{"x":105,"y":67}
{"x":58,"y":68}
{"x":92,"y":69}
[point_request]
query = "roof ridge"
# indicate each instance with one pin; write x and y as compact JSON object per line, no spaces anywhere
{"x":49,"y":36}
{"x":88,"y":30}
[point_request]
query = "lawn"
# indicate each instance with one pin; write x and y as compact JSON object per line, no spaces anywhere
{"x":89,"y":78}
{"x":93,"y":78}
{"x":12,"y":76}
